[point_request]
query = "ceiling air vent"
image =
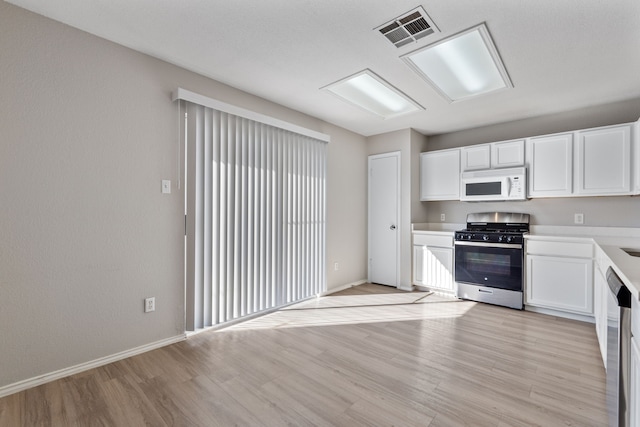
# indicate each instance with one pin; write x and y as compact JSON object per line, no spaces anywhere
{"x":408,"y":28}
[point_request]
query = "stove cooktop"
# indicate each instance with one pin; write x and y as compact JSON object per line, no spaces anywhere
{"x":494,"y":227}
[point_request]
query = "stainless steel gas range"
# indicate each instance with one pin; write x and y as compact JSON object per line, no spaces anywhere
{"x":489,"y":258}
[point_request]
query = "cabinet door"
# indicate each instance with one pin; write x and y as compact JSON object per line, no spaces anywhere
{"x":418,"y":264}
{"x":440,"y":175}
{"x":560,"y":283}
{"x":600,"y":289}
{"x":550,"y":160}
{"x":476,"y":157}
{"x":507,"y":154}
{"x":634,"y":392}
{"x":438,"y":268}
{"x":603,"y":161}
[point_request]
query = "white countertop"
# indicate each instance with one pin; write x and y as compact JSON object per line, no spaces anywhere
{"x":625,"y":265}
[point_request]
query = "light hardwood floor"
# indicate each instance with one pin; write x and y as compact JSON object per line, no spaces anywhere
{"x":366,"y":356}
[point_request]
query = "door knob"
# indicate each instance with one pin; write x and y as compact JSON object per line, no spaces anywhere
{"x":393,"y":227}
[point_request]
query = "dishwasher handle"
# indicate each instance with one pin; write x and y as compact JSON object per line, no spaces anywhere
{"x":618,"y":289}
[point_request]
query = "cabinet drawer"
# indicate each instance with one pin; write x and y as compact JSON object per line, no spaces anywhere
{"x":433,"y":240}
{"x":569,"y":249}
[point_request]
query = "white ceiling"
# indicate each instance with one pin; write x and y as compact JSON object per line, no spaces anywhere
{"x":560,"y":54}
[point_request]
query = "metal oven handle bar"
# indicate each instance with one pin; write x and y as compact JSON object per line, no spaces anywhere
{"x":489,"y":245}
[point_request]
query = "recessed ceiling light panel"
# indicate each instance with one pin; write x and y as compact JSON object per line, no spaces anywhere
{"x":370,"y":92}
{"x":462,"y":66}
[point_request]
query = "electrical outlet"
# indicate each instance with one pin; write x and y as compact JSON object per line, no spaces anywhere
{"x":578,"y":218}
{"x":336,"y":267}
{"x":149,"y":304}
{"x":442,"y":217}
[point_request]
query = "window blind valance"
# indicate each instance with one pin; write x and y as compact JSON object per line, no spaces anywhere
{"x":215,"y":104}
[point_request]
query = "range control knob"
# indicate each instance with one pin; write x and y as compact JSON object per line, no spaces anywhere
{"x":509,"y":239}
{"x":485,"y":237}
{"x":501,"y":239}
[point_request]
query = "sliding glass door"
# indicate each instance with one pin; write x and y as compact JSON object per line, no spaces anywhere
{"x":255,"y":224}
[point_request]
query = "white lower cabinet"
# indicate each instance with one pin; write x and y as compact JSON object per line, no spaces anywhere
{"x":600,"y":289}
{"x":634,"y":392}
{"x":634,"y":385}
{"x":433,"y":262}
{"x":560,"y":276}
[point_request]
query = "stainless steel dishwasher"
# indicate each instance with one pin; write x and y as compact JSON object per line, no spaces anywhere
{"x":618,"y":350}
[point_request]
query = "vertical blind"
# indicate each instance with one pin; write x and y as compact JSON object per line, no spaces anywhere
{"x":255,"y":216}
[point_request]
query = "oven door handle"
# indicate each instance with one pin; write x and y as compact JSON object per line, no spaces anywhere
{"x":489,"y":245}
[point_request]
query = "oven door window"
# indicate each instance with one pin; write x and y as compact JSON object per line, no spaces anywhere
{"x":489,"y":266}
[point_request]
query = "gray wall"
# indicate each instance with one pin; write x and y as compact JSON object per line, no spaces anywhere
{"x":598,"y":211}
{"x":419,"y":211}
{"x":346,"y":207}
{"x":88,"y":130}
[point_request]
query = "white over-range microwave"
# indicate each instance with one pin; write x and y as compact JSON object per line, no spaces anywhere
{"x":494,"y":185}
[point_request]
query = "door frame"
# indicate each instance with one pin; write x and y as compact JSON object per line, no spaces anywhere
{"x":370,"y":158}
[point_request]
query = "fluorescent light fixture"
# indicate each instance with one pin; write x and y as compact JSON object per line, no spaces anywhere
{"x":464,"y":65}
{"x":370,"y":92}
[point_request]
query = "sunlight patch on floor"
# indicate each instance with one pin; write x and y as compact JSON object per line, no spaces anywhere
{"x":356,"y":309}
{"x":359,"y":300}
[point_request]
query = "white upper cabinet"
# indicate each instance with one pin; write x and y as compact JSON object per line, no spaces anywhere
{"x":493,"y":156}
{"x":476,"y":157}
{"x":440,"y":175}
{"x":550,"y":165}
{"x":603,"y":161}
{"x":507,"y":154}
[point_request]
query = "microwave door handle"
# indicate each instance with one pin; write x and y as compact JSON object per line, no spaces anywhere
{"x":508,"y":185}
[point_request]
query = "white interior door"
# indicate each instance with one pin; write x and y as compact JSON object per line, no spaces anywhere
{"x":384,"y":218}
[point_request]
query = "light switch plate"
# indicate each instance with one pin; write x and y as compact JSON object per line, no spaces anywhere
{"x":578,"y":218}
{"x":166,"y":186}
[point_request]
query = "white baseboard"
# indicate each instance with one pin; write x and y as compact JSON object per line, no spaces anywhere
{"x":56,"y":375}
{"x":558,"y":313}
{"x":343,"y":287}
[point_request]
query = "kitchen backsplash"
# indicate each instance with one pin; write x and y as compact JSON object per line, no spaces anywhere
{"x":613,"y":211}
